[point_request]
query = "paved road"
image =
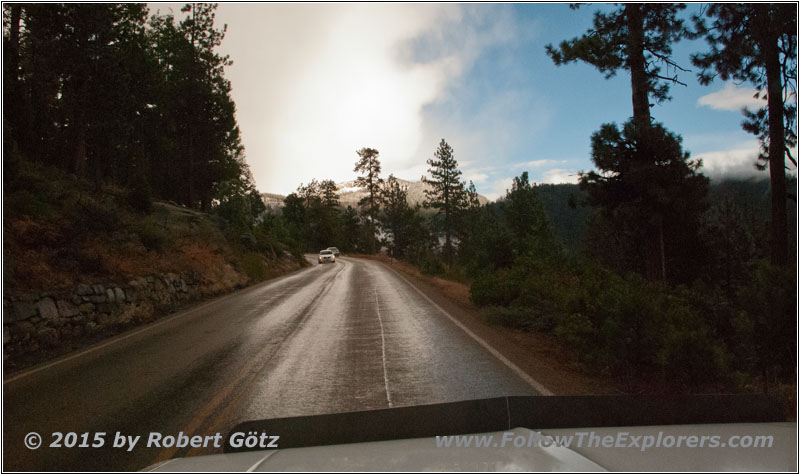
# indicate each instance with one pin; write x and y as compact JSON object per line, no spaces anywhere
{"x":330,"y":338}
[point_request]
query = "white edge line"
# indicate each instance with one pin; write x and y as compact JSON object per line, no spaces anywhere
{"x":522,"y":374}
{"x":383,"y":351}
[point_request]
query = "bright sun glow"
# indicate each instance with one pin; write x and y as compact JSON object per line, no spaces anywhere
{"x":350,"y":86}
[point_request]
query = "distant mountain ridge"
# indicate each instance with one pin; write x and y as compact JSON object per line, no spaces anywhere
{"x":350,"y":194}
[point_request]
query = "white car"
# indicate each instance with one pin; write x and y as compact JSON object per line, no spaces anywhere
{"x":326,"y":255}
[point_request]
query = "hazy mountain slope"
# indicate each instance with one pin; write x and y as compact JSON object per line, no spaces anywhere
{"x":350,"y":194}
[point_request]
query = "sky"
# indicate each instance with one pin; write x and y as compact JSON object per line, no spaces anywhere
{"x":313,"y":83}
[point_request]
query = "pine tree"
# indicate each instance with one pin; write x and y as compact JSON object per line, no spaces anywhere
{"x":446,"y":192}
{"x":396,"y":216}
{"x":526,"y":219}
{"x":370,"y":166}
{"x":330,"y":231}
{"x":72,"y":69}
{"x":648,"y":182}
{"x":310,"y":193}
{"x":757,"y":43}
{"x":351,"y":230}
{"x":472,"y":196}
{"x":294,"y":213}
{"x":102,"y":92}
{"x":327,"y":189}
{"x":638,"y":38}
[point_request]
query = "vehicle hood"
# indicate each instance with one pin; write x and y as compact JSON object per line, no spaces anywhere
{"x":405,"y":438}
{"x":422,"y":454}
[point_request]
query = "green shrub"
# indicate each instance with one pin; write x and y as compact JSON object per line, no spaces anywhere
{"x":432,"y":265}
{"x":97,"y":216}
{"x":236,"y":211}
{"x":626,"y":325}
{"x":152,"y":235}
{"x":219,"y":222}
{"x":28,"y":176}
{"x":688,"y":353}
{"x":518,"y":317}
{"x":766,"y":325}
{"x":247,"y":240}
{"x":499,"y":288}
{"x":642,"y":329}
{"x":576,"y":330}
{"x":266,"y":242}
{"x":253,"y":266}
{"x":456,"y":272}
{"x":548,"y":288}
{"x":296,"y":249}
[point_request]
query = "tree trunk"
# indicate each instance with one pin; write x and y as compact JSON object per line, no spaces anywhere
{"x":16,"y":17}
{"x":76,"y":161}
{"x":372,"y":215}
{"x":12,"y":110}
{"x":655,"y":267}
{"x":662,"y":255}
{"x":779,"y":228}
{"x":447,"y":243}
{"x":78,"y":165}
{"x":636,"y":63}
{"x":190,"y":172}
{"x":448,"y":247}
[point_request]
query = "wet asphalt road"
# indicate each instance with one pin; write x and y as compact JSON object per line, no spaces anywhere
{"x":330,"y":338}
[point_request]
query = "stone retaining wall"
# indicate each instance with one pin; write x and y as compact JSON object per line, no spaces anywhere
{"x":44,"y":320}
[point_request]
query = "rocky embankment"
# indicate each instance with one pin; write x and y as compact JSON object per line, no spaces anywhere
{"x":40,"y":325}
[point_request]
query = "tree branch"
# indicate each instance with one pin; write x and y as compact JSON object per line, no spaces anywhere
{"x":672,"y":79}
{"x":791,"y":158}
{"x":667,"y":60}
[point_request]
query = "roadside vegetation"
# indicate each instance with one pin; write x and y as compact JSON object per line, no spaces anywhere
{"x":59,"y":230}
{"x":121,"y":151}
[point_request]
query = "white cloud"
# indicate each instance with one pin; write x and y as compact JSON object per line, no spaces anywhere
{"x":411,"y":173}
{"x":483,"y":124}
{"x":498,"y":188}
{"x":475,"y":177}
{"x":542,"y":163}
{"x":735,"y":162}
{"x":560,"y":175}
{"x":314,"y":83}
{"x":732,"y":98}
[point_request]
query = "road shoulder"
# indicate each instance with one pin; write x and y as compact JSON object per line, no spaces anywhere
{"x":539,"y":355}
